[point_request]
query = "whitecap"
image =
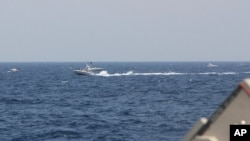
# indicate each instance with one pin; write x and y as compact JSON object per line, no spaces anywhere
{"x":129,"y":73}
{"x":227,"y":73}
{"x":64,"y":82}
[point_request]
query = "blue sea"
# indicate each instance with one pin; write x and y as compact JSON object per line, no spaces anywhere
{"x":129,"y":101}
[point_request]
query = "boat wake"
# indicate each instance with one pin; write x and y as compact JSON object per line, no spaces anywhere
{"x":131,"y":73}
{"x":218,"y":73}
{"x":105,"y":73}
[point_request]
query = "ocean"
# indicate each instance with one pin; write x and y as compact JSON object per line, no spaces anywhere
{"x":129,"y":101}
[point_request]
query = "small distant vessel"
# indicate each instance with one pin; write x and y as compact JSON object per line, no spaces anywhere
{"x":83,"y":72}
{"x":211,"y":65}
{"x":93,"y":68}
{"x":88,"y":70}
{"x":242,"y":65}
{"x":14,"y":70}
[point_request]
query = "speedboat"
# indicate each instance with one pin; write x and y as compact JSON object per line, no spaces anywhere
{"x":211,"y":65}
{"x":88,"y":67}
{"x":83,"y":72}
{"x":96,"y":69}
{"x":14,"y":70}
{"x":88,"y":70}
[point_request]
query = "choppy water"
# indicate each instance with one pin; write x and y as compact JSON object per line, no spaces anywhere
{"x":127,"y":102}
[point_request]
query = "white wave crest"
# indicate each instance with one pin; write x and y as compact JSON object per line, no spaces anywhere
{"x":228,"y":73}
{"x":207,"y":73}
{"x":130,"y":73}
{"x":218,"y":73}
{"x":105,"y":73}
{"x":160,"y":73}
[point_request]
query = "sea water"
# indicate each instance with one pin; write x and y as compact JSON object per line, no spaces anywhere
{"x":129,"y":101}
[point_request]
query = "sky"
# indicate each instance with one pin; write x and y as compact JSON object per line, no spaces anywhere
{"x":124,"y":30}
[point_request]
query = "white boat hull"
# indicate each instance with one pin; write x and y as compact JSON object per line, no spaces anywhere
{"x":96,"y":69}
{"x":83,"y":72}
{"x":88,"y":70}
{"x":212,"y":65}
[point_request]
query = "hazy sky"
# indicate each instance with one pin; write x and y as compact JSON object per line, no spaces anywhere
{"x":124,"y":30}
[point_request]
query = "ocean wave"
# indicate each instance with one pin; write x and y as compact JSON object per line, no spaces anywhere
{"x":105,"y":73}
{"x":228,"y":73}
{"x":218,"y":73}
{"x":50,"y":135}
{"x":131,"y":73}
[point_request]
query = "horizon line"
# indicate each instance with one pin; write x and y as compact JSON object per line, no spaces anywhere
{"x":107,"y":61}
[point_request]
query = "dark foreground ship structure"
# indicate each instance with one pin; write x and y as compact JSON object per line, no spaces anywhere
{"x":235,"y":110}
